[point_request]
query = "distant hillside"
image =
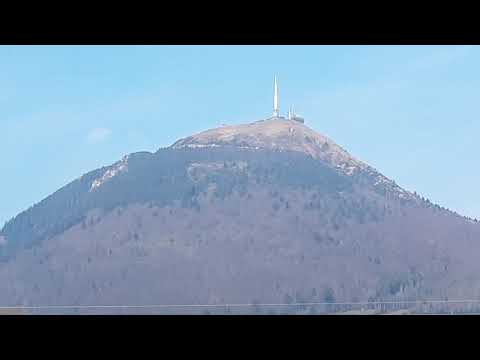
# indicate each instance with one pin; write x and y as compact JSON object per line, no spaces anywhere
{"x":269,"y":212}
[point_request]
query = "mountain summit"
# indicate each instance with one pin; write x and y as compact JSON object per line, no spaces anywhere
{"x":279,"y":134}
{"x":267,"y":212}
{"x":274,"y":134}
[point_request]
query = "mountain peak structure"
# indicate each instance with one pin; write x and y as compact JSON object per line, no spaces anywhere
{"x":279,"y":134}
{"x":269,"y":212}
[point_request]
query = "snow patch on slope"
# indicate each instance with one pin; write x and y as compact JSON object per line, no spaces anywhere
{"x":121,"y":166}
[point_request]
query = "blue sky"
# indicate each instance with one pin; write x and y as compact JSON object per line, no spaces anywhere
{"x":409,"y":111}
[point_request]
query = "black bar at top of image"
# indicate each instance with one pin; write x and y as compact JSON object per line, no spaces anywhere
{"x":239,"y":25}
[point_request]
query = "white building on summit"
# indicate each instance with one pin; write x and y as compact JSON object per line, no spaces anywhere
{"x":276,"y":111}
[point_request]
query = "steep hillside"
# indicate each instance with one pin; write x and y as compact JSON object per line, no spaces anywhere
{"x":289,"y":135}
{"x":269,"y":212}
{"x":162,"y":178}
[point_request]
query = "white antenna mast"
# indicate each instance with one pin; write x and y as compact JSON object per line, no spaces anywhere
{"x":275,"y":98}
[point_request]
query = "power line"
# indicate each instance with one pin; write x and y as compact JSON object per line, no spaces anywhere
{"x":364,"y":303}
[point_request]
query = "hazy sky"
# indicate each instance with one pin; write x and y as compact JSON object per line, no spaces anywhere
{"x":412,"y":112}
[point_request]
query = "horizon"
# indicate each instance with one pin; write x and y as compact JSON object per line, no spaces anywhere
{"x":415,"y":104}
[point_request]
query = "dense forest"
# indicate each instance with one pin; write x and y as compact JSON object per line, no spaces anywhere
{"x":162,"y":178}
{"x":230,"y":225}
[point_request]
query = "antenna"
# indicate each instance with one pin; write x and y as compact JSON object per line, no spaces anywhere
{"x":275,"y":98}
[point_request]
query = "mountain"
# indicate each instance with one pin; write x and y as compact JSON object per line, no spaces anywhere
{"x":264,"y":213}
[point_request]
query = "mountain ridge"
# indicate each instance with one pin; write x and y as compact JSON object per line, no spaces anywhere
{"x":281,"y":135}
{"x":272,"y":204}
{"x":274,"y":134}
